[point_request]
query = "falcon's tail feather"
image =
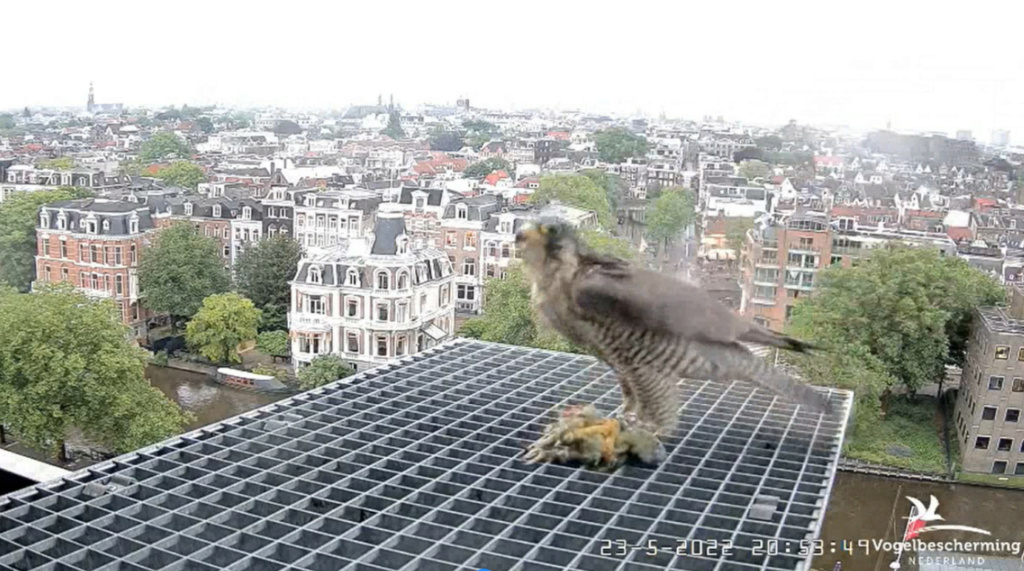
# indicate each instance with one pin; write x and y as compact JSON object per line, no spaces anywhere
{"x":773,"y":339}
{"x":735,"y":362}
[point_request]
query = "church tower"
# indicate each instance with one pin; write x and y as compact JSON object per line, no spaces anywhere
{"x":92,"y":99}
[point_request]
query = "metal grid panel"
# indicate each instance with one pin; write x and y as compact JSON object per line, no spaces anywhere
{"x":416,"y":466}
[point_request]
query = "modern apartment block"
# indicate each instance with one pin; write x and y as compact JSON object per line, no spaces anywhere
{"x":991,"y":397}
{"x":371,"y":300}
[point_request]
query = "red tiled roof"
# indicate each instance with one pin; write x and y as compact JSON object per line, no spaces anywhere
{"x":959,"y":233}
{"x":854,"y":211}
{"x":559,"y":135}
{"x":525,"y":183}
{"x":926,"y":213}
{"x":444,"y":162}
{"x":493,"y":178}
{"x":152,"y":170}
{"x":828,"y":161}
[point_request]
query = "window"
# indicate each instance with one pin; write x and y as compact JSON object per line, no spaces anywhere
{"x":400,"y":346}
{"x":44,"y":220}
{"x":353,"y":343}
{"x":352,"y":277}
{"x":450,"y":239}
{"x":403,"y":280}
{"x":465,"y":292}
{"x":423,"y":302}
{"x":489,"y":270}
{"x":1018,"y":470}
{"x":506,"y":227}
{"x":469,"y":267}
{"x":995,"y":383}
{"x":133,"y":226}
{"x":63,"y":249}
{"x":106,"y":225}
{"x":1018,"y":385}
{"x":46,"y":270}
{"x":246,"y":213}
{"x":492,"y":249}
{"x":506,"y":250}
{"x":382,"y":346}
{"x":91,"y":226}
{"x":188,"y":209}
{"x":352,"y":308}
{"x":1020,"y":354}
{"x":419,"y":203}
{"x":118,"y":284}
{"x":315,"y":304}
{"x":216,"y":211}
{"x":446,"y":295}
{"x":989,"y":413}
{"x":383,"y":280}
{"x":62,"y":221}
{"x":981,"y":443}
{"x":46,"y":247}
{"x":94,"y":254}
{"x":1002,"y":352}
{"x":117,"y":255}
{"x":806,"y":242}
{"x":227,"y":232}
{"x":461,"y":211}
{"x":1012,"y":415}
{"x":227,"y":251}
{"x":63,"y":274}
{"x":83,"y":253}
{"x":402,"y":246}
{"x":469,"y":241}
{"x":315,"y":275}
{"x":382,"y":312}
{"x":999,"y":467}
{"x":836,"y":260}
{"x":401,"y":312}
{"x":83,"y":280}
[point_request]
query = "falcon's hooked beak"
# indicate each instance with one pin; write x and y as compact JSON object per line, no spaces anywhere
{"x":530,"y":236}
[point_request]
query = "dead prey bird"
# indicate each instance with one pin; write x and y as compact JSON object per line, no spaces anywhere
{"x":652,"y":329}
{"x":580,"y":434}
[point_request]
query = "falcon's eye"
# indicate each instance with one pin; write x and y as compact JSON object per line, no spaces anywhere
{"x":550,"y":229}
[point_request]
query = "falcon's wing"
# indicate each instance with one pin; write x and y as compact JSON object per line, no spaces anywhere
{"x":647,"y":299}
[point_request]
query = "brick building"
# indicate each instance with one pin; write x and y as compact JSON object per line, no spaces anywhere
{"x":94,"y":244}
{"x":462,"y":223}
{"x":212,"y":217}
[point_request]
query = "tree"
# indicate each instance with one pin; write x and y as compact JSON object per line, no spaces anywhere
{"x":225,"y":321}
{"x":669,"y":214}
{"x":287,"y":127}
{"x":614,"y":186}
{"x":205,"y":124}
{"x":736,"y":232}
{"x":575,"y":190}
{"x":748,"y":153}
{"x":323,"y":370}
{"x":164,"y":145}
{"x":446,"y":141}
{"x":66,"y":364}
{"x":19,"y":216}
{"x":262,"y":273}
{"x":909,"y":308}
{"x":769,"y":142}
{"x":182,"y":174}
{"x":754,"y":169}
{"x":180,"y":270}
{"x":603,"y":242}
{"x":479,"y":133}
{"x":394,"y":128}
{"x":63,"y":163}
{"x":617,"y":144}
{"x":485,"y":167}
{"x":480,"y":126}
{"x":274,"y":343}
{"x":6,"y":121}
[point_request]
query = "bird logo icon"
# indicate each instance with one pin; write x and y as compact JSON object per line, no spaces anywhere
{"x":920,"y":517}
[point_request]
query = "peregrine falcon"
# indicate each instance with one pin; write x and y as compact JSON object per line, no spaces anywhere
{"x":650,"y":328}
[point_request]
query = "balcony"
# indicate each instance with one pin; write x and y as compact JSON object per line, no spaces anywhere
{"x":849,"y":250}
{"x":308,"y":321}
{"x":464,"y":306}
{"x":798,"y":284}
{"x":762,"y":301}
{"x":797,"y":247}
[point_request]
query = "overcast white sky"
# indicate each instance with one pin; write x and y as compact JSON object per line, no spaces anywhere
{"x":919,"y":64}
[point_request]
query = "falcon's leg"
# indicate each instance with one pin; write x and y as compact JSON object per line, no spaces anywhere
{"x":629,"y":401}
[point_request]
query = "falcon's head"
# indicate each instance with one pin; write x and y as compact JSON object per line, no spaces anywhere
{"x":548,"y":245}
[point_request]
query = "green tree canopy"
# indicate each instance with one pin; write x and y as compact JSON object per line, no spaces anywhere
{"x":164,"y":145}
{"x":19,"y":216}
{"x":63,"y":163}
{"x":575,"y":190}
{"x":603,"y":242}
{"x":752,"y":169}
{"x":769,"y":142}
{"x":182,"y":174}
{"x":447,"y":141}
{"x":274,"y":343}
{"x":909,"y":308}
{"x":323,"y":370}
{"x":394,"y":128}
{"x":180,"y":270}
{"x":617,"y":144}
{"x":225,"y":321}
{"x":205,"y":124}
{"x":669,"y":214}
{"x":66,"y":364}
{"x":6,"y":121}
{"x":736,"y":232}
{"x":613,"y":185}
{"x":262,"y":273}
{"x":487,"y":166}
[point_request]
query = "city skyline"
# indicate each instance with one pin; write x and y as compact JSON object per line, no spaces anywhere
{"x":774,"y":64}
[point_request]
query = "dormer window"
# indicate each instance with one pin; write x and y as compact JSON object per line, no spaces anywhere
{"x":506,"y":227}
{"x":133,"y":224}
{"x":62,"y":221}
{"x":316,"y":275}
{"x":44,"y":220}
{"x":216,"y":211}
{"x":352,"y":277}
{"x":106,"y":225}
{"x":460,"y":212}
{"x":311,"y":200}
{"x":188,"y":209}
{"x":402,"y":245}
{"x":246,"y":213}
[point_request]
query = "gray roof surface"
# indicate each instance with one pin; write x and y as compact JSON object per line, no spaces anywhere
{"x":417,"y":466}
{"x":385,"y":234}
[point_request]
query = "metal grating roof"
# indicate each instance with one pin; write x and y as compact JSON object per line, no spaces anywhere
{"x":415,"y":466}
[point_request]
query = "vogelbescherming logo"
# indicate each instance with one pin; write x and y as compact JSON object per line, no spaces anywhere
{"x":920,"y":518}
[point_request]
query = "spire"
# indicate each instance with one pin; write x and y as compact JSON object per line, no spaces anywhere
{"x":92,"y":98}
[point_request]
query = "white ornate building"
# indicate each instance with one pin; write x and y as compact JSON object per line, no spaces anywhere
{"x":371,"y":300}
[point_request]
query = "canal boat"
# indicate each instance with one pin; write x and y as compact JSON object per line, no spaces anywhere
{"x":248,"y":380}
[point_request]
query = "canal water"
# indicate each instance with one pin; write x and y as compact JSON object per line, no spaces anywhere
{"x":208,"y":401}
{"x":865,"y":508}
